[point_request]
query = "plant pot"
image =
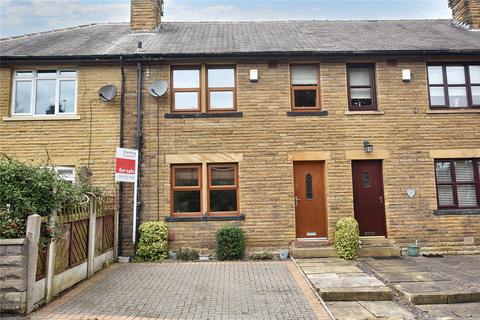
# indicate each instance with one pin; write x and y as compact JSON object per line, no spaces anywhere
{"x":283,"y":254}
{"x":413,"y":251}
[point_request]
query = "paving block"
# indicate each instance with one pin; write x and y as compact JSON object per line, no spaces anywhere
{"x":362,"y":280}
{"x":349,"y":310}
{"x":371,"y":293}
{"x":453,"y":311}
{"x":436,"y":292}
{"x":395,"y":277}
{"x":387,"y":309}
{"x":330,"y":269}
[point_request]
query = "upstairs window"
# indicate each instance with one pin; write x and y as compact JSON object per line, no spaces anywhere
{"x":44,"y":92}
{"x":454,"y":86}
{"x":361,"y":87}
{"x":458,"y":183}
{"x":186,"y":89}
{"x":221,"y":88}
{"x":304,"y":87}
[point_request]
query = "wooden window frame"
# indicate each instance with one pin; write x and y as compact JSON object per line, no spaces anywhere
{"x":174,"y":188}
{"x":468,"y":85}
{"x":222,"y":89}
{"x":198,"y":90}
{"x":454,"y":183}
{"x":235,"y":187}
{"x":294,"y":88}
{"x":372,"y":87}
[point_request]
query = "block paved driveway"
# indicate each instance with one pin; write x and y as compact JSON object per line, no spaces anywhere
{"x":196,"y":290}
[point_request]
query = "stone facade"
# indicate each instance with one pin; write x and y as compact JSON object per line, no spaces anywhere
{"x":404,"y":132}
{"x":466,"y":12}
{"x":13,"y":276}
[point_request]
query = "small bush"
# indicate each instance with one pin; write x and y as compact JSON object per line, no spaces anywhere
{"x":347,"y":238}
{"x":261,"y":255}
{"x":187,"y":254}
{"x":153,"y":243}
{"x":230,"y":243}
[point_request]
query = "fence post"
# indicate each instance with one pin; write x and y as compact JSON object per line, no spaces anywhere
{"x":91,"y":237}
{"x":50,"y":271}
{"x":33,"y":235}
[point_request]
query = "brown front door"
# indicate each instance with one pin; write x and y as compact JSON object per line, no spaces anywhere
{"x":310,"y":204}
{"x":368,"y":197}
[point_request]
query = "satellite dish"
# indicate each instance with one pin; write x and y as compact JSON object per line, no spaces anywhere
{"x":158,"y":88}
{"x":107,"y":93}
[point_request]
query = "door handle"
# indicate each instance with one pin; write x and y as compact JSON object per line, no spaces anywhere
{"x":380,"y":199}
{"x":296,"y":201}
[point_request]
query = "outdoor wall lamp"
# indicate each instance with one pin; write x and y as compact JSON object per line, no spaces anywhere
{"x":367,"y":146}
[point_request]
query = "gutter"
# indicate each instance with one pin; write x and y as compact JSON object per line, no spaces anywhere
{"x":240,"y":55}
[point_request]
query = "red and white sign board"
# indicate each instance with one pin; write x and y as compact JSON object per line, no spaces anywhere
{"x":126,"y":165}
{"x":126,"y":170}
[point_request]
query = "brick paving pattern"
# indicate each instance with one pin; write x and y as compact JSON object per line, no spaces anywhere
{"x":214,"y":290}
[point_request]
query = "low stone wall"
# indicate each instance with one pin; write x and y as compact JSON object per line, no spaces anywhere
{"x":13,"y":276}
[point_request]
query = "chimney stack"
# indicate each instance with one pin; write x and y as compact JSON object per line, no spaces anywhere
{"x":466,"y":13}
{"x":145,"y":15}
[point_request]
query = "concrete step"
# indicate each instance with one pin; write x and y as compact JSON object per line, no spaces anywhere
{"x":356,"y":294}
{"x":326,"y":252}
{"x":311,"y":243}
{"x":319,"y":252}
{"x":387,"y":251}
{"x":375,"y":241}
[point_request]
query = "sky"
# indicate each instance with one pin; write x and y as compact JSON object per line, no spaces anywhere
{"x":29,"y":16}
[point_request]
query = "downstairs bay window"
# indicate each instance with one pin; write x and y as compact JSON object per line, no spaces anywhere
{"x":458,"y":183}
{"x":194,"y":194}
{"x":44,"y":92}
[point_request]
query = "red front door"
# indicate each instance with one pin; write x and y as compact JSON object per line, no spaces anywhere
{"x":310,"y":202}
{"x":368,"y":198}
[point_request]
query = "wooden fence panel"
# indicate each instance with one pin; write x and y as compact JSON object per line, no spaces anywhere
{"x":41,"y":263}
{"x":99,"y":236}
{"x":62,"y":248}
{"x":108,"y":231}
{"x":79,"y":242}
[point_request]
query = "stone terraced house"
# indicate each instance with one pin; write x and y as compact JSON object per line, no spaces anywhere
{"x":279,"y":127}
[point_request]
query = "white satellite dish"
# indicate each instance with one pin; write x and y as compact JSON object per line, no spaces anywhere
{"x":107,"y":93}
{"x":158,"y":88}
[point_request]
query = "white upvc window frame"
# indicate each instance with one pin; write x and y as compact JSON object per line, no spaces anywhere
{"x":67,"y":177}
{"x":33,"y":79}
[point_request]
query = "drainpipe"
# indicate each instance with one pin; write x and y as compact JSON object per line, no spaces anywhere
{"x":120,"y":187}
{"x":138,"y":144}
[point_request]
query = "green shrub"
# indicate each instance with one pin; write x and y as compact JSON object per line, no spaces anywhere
{"x":261,"y":255}
{"x":187,"y":254}
{"x":230,"y":243}
{"x":153,"y":243}
{"x":347,"y":238}
{"x":26,"y":189}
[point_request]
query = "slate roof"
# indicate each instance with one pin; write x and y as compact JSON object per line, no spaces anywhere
{"x":249,"y":38}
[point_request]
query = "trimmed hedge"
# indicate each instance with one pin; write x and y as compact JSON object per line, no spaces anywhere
{"x":230,"y":243}
{"x":347,"y":238}
{"x":153,"y":243}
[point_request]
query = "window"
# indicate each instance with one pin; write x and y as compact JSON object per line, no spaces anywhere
{"x":361,"y":87}
{"x":66,"y":173}
{"x":219,"y":194}
{"x":221,"y":88}
{"x":304,"y":87}
{"x":44,"y":92}
{"x":454,"y":86}
{"x":186,"y":189}
{"x":458,"y":183}
{"x":222,"y":189}
{"x":186,"y":89}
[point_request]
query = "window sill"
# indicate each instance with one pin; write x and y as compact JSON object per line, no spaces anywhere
{"x":443,"y":111}
{"x":307,"y":113}
{"x":445,"y":212}
{"x":204,"y":115}
{"x":205,"y":218}
{"x":375,"y":113}
{"x":41,"y":118}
